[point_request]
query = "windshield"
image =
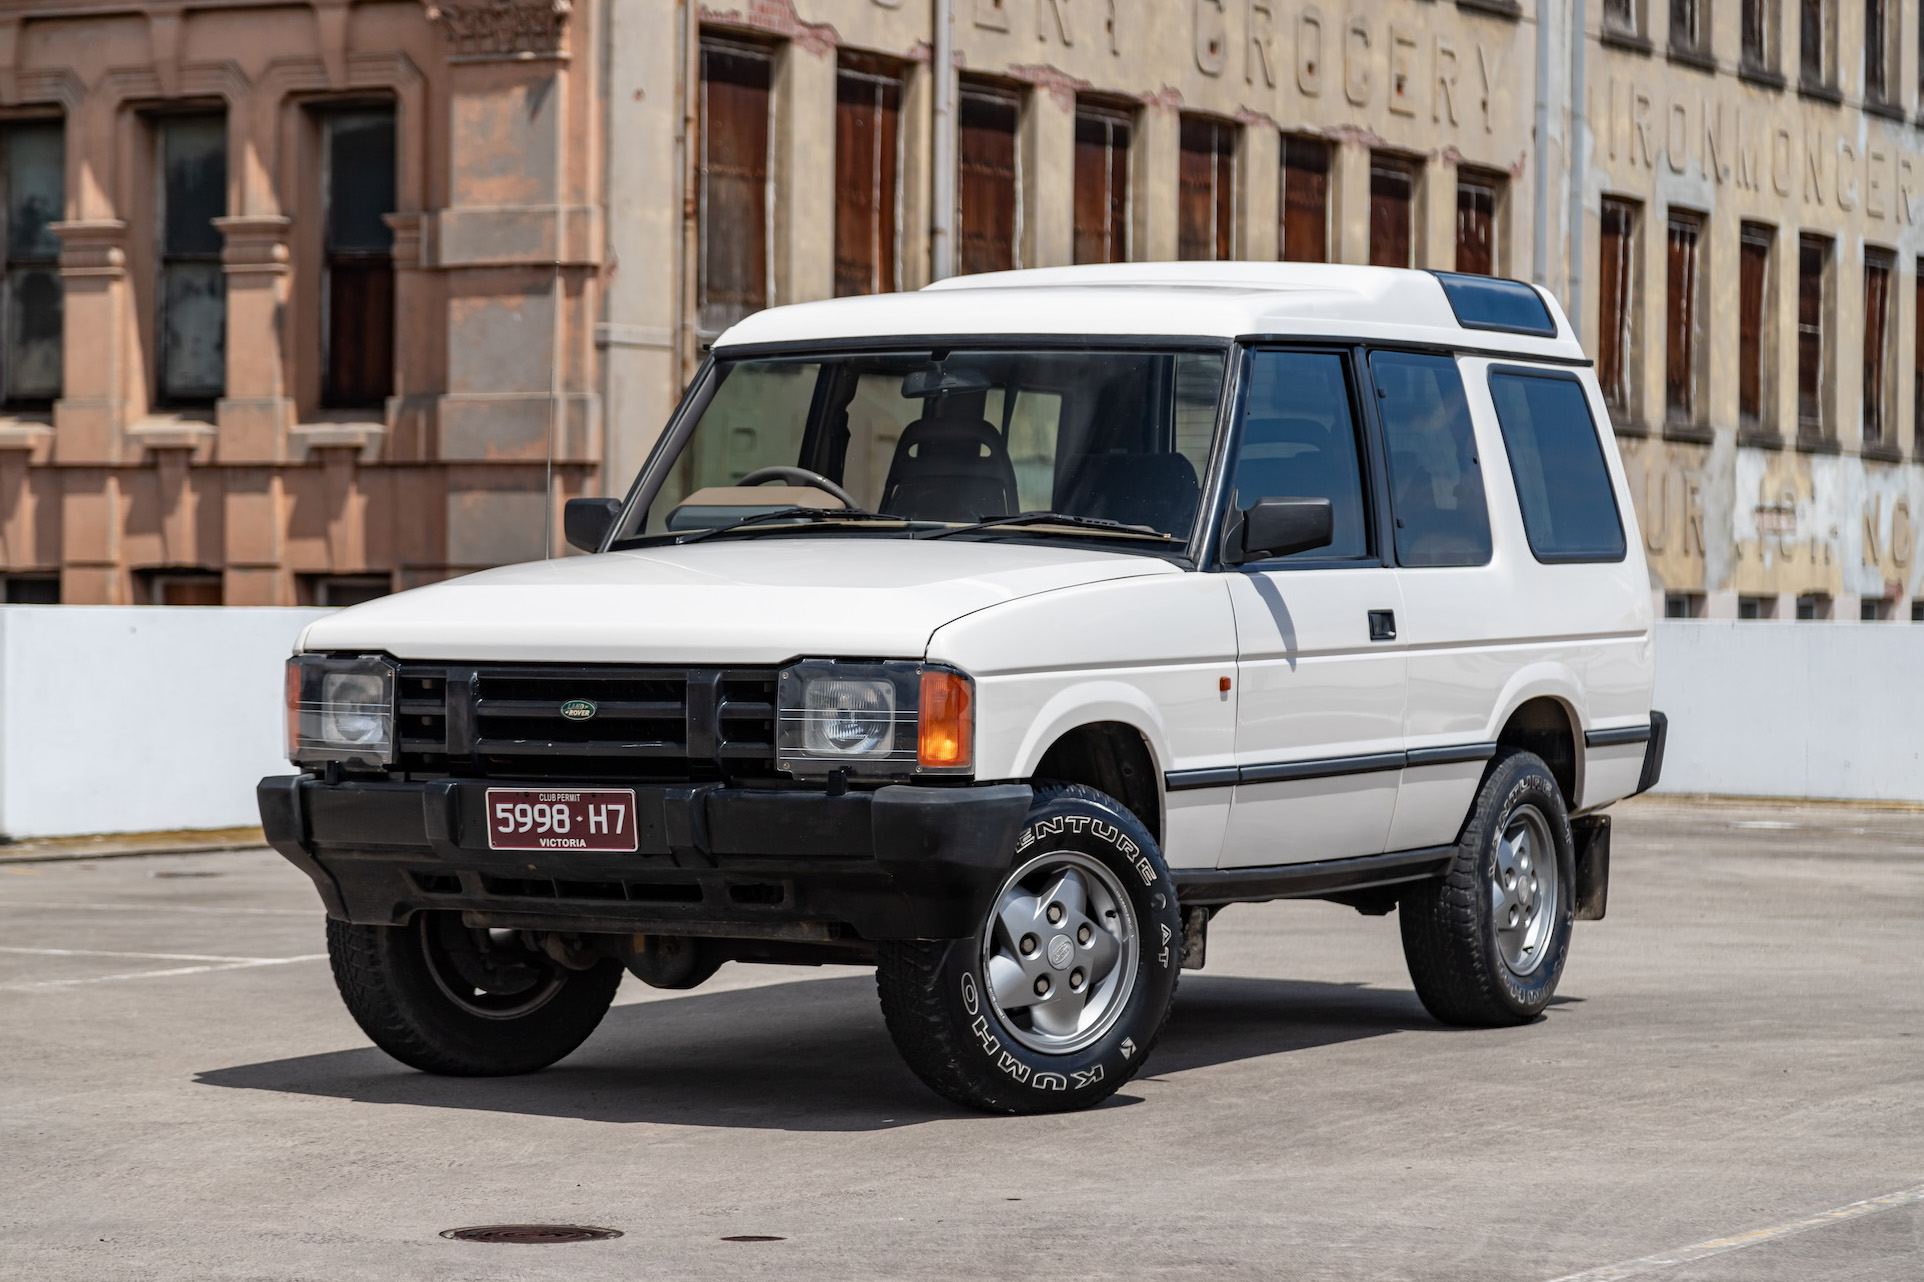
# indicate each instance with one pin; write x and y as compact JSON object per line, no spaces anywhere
{"x":946,"y":438}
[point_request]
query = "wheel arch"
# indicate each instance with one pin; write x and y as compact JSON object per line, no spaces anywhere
{"x":1113,"y":757}
{"x":1548,"y":725}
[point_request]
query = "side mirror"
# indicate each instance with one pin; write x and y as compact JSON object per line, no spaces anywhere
{"x":1279,"y":527}
{"x":586,"y":522}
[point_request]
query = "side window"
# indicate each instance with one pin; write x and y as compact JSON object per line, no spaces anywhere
{"x":1298,"y":440}
{"x":1562,"y":483}
{"x":1436,"y":482}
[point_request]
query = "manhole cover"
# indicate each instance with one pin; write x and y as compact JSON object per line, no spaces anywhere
{"x":753,"y":1237}
{"x":531,"y":1234}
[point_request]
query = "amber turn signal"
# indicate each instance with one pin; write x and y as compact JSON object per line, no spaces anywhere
{"x":947,"y":739}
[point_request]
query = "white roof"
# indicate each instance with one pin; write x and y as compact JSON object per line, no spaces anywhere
{"x":1209,"y":300}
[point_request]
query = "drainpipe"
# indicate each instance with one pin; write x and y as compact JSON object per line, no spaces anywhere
{"x":1573,"y":302}
{"x":1540,"y":230}
{"x":942,"y":147}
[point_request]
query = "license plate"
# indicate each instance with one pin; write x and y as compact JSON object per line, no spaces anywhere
{"x":582,"y":819}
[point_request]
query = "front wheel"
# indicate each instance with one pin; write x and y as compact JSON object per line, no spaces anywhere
{"x":1487,"y":940}
{"x":1057,"y":998}
{"x":447,"y":999}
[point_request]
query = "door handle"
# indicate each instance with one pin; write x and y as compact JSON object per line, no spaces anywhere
{"x":1382,"y":625}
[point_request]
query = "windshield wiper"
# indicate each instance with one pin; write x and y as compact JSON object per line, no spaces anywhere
{"x":801,"y":514}
{"x":1053,"y":518}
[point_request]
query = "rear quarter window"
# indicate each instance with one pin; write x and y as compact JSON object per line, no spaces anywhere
{"x":1562,"y":483}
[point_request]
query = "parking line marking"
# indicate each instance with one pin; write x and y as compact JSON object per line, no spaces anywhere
{"x":40,"y":985}
{"x":95,"y":952}
{"x":1738,"y":1241}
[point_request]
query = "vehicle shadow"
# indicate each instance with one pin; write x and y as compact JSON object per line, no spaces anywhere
{"x":813,"y":1055}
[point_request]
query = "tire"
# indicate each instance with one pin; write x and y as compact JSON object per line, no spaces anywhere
{"x":999,"y":1049}
{"x":1470,"y":964}
{"x":465,"y":1003}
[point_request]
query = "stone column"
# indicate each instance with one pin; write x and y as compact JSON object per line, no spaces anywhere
{"x":516,"y":250}
{"x":1048,"y":190}
{"x":1259,"y":189}
{"x":1156,"y":166}
{"x":803,"y":218}
{"x":254,"y":416}
{"x":420,"y":366}
{"x":1351,"y":164}
{"x":91,"y":413}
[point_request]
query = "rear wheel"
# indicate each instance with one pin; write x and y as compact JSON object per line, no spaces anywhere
{"x":1059,"y":995}
{"x":1486,"y":942}
{"x":447,"y":999}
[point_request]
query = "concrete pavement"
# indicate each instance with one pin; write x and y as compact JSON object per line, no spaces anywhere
{"x":1740,"y":1045}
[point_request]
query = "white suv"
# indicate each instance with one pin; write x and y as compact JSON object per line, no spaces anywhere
{"x":998,"y":635}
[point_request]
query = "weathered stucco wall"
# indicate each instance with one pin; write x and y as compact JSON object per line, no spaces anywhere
{"x":1445,"y":85}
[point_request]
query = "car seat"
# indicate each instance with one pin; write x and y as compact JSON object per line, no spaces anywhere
{"x":950,"y":470}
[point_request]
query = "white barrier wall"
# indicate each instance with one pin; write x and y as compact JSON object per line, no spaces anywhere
{"x":139,"y":719}
{"x":144,"y":719}
{"x":1765,"y":709}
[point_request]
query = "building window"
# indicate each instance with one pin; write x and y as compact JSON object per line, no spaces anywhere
{"x":734,"y":194}
{"x":1688,"y":22}
{"x":1683,"y":295}
{"x":1620,"y":16}
{"x":1814,"y":605}
{"x":1616,"y":302}
{"x":1305,"y":223}
{"x":991,"y":172}
{"x":193,"y":289}
{"x":1813,"y":264}
{"x":1875,"y":609}
{"x":359,"y":290}
{"x":1917,"y":612}
{"x":1814,"y":43}
{"x":32,"y":589}
{"x":184,"y":586}
{"x":1206,"y":191}
{"x":1392,"y":193}
{"x":1879,"y":268}
{"x":868,"y":160}
{"x":1683,"y":605}
{"x":1877,"y":51}
{"x":1759,"y":35}
{"x":1102,"y":184}
{"x":1753,"y":327}
{"x":1476,"y":205}
{"x":1756,"y":607}
{"x":1917,"y":365}
{"x":332,"y":591}
{"x":36,"y":178}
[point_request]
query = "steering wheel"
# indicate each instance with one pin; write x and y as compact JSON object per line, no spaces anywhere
{"x":800,"y":476}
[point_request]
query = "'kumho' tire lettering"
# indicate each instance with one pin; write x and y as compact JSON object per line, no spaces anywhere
{"x":1060,"y":1013}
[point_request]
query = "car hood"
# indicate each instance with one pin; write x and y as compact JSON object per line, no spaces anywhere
{"x":749,"y":601}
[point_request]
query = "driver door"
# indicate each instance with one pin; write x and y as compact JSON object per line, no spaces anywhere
{"x":1320,"y":674}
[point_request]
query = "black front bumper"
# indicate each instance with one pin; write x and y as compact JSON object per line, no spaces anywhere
{"x":897,"y":863}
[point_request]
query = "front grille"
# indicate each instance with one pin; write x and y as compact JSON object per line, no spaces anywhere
{"x":506,"y":721}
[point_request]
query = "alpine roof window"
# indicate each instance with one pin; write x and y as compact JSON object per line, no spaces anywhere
{"x":1481,"y":302}
{"x":1562,"y":482}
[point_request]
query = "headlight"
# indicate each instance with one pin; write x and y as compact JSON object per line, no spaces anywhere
{"x":340,"y":710}
{"x":874,"y":720}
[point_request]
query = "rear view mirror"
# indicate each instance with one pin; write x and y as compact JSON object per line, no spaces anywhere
{"x":586,"y":522}
{"x":1280,"y":527}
